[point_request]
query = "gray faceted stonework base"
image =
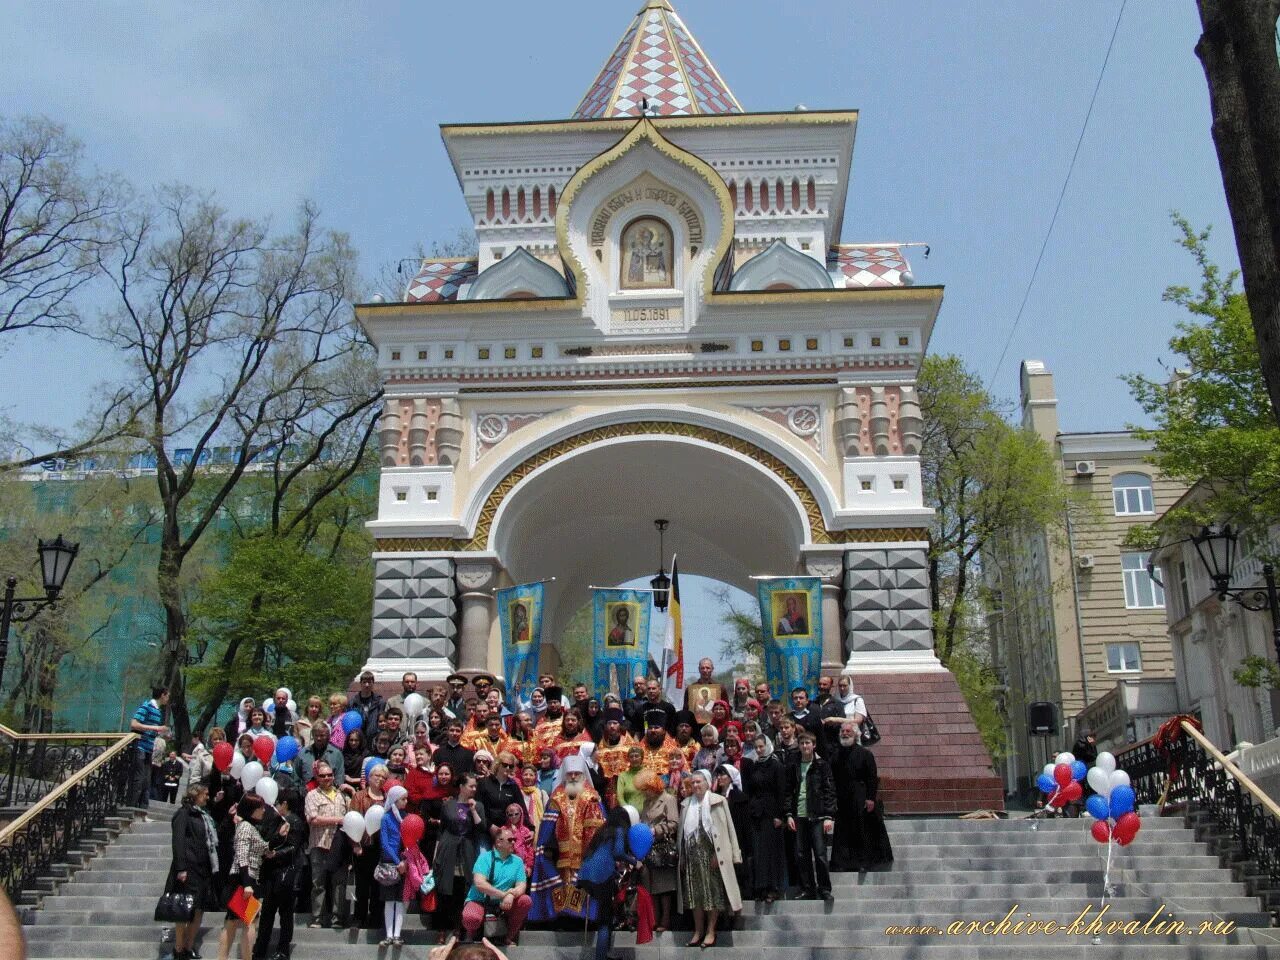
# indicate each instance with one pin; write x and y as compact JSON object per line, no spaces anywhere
{"x":886,"y":593}
{"x":413,"y":609}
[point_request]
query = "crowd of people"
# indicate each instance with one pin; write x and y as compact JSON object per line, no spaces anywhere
{"x":450,"y":803}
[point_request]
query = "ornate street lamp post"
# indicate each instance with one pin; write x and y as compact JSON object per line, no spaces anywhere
{"x":661,"y":584}
{"x":56,"y":557}
{"x":1217,"y":549}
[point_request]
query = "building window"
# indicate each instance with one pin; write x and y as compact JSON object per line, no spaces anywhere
{"x":537,"y":353}
{"x":875,"y":341}
{"x":1123,"y":658}
{"x":395,"y":354}
{"x":848,"y":341}
{"x":1184,"y":588}
{"x":811,"y":343}
{"x":483,"y":353}
{"x":757,"y":346}
{"x":784,"y":345}
{"x":1140,"y":591}
{"x":1132,"y":494}
{"x":422,"y":354}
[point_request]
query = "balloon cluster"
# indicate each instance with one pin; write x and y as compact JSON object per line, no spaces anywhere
{"x":1112,"y":805}
{"x":1061,"y":781}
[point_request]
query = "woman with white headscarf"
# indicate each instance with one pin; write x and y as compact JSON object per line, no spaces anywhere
{"x":765,"y":780}
{"x":393,"y":908}
{"x":708,"y":851}
{"x":728,"y":784}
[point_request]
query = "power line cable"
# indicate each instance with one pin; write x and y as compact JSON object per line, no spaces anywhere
{"x":1061,"y":194}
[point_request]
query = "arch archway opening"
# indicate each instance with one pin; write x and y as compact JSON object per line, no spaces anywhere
{"x":587,"y":520}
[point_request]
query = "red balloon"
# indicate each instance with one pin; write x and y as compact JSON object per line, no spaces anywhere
{"x":1127,"y":826}
{"x":222,"y":755}
{"x":388,"y":783}
{"x":1072,"y":792}
{"x":264,"y":748}
{"x":411,"y":829}
{"x":1062,"y":774}
{"x":1101,"y":832}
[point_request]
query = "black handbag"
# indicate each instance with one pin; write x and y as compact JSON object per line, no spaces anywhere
{"x":870,"y":732}
{"x":175,"y":907}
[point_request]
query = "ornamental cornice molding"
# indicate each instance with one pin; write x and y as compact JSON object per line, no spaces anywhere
{"x":818,"y":531}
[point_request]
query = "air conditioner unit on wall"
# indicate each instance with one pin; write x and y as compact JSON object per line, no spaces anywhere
{"x":1084,"y":468}
{"x":1085,"y":561}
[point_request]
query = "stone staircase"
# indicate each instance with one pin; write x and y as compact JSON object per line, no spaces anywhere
{"x":946,"y":870}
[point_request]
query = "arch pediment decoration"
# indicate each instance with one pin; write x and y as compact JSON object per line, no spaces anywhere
{"x":518,"y":272}
{"x":781,"y":264}
{"x":818,"y":531}
{"x":644,"y":175}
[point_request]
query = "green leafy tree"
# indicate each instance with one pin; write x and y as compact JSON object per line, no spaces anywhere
{"x":986,"y":481}
{"x":1214,"y":427}
{"x":286,"y":615}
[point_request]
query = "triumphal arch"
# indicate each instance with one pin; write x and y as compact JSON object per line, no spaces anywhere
{"x":663,"y":320}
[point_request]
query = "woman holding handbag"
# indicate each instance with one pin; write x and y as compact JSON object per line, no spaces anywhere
{"x":390,"y":863}
{"x":362,"y":913}
{"x":660,"y":812}
{"x":194,"y":867}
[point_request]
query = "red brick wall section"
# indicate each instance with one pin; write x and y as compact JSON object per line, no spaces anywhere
{"x":930,"y":757}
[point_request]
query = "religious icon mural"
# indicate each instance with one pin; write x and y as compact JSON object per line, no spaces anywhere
{"x":790,"y":613}
{"x":646,"y":250}
{"x":520,"y":619}
{"x":791,"y":618}
{"x":621,"y":631}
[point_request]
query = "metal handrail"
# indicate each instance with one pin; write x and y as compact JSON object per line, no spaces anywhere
{"x":8,"y":832}
{"x":1236,"y":818}
{"x":47,"y":834}
{"x":15,"y":735}
{"x":1258,"y":795}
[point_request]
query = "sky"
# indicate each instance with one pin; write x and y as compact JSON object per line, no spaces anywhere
{"x":969,"y":116}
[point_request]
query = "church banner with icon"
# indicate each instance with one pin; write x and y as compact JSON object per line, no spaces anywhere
{"x":621,"y":619}
{"x":791,"y":620}
{"x":520,"y":620}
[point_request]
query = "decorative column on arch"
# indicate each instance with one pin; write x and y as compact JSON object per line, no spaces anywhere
{"x":476,"y":577}
{"x":828,"y":564}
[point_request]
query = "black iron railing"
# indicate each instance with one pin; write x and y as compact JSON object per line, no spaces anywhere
{"x":33,"y":764}
{"x":1192,"y":772}
{"x":44,"y":834}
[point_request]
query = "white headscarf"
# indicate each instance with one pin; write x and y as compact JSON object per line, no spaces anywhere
{"x":698,"y":813}
{"x":735,"y":775}
{"x":394,"y":796}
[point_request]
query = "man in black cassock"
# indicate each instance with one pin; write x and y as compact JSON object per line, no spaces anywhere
{"x":861,"y":841}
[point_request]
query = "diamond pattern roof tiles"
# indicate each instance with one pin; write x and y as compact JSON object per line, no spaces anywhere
{"x":440,"y":279}
{"x":869,"y":266}
{"x":657,"y":60}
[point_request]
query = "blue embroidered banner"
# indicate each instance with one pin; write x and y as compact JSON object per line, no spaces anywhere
{"x":520,"y":620}
{"x":791,"y":619}
{"x":621,"y":621}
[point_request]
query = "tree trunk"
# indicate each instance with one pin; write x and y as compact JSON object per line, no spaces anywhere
{"x":175,"y":635}
{"x":1238,"y":53}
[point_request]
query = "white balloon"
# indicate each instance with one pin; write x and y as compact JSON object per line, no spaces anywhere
{"x":1066,"y":757}
{"x":293,"y":707}
{"x":267,"y":789}
{"x":1100,"y":781}
{"x":373,"y":819}
{"x":1106,"y":761}
{"x":251,"y":774}
{"x":237,"y":765}
{"x":1048,"y":769}
{"x":353,"y":825}
{"x":1119,"y":778}
{"x":414,"y":704}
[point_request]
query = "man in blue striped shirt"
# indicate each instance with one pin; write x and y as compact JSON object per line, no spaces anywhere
{"x":148,"y":723}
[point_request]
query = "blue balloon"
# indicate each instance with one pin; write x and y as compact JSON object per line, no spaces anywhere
{"x":351,"y":720}
{"x":1078,"y":770}
{"x":1122,"y":800}
{"x":286,"y":749}
{"x":1097,"y":807}
{"x":641,"y":838}
{"x":1046,"y":783}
